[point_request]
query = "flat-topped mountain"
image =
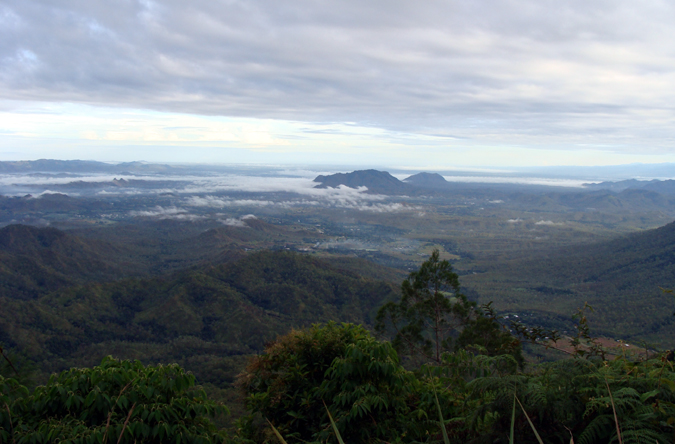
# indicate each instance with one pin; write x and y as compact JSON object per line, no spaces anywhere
{"x":376,"y":181}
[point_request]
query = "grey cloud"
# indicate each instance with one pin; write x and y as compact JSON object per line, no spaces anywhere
{"x":521,"y":70}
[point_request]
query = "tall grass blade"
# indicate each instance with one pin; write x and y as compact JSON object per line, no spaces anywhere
{"x":446,"y":440}
{"x":513,"y":419}
{"x":335,"y":429}
{"x":616,"y":419}
{"x":530,"y":421}
{"x":276,"y":432}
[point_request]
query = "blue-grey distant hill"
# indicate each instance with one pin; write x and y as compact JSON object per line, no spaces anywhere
{"x":55,"y":166}
{"x":427,"y":180}
{"x":79,"y":166}
{"x":659,"y":186}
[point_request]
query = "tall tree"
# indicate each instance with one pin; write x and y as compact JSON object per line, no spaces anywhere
{"x":431,"y":312}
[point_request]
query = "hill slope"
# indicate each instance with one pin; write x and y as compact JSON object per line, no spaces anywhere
{"x":34,"y":261}
{"x":197,"y":317}
{"x":620,"y":278}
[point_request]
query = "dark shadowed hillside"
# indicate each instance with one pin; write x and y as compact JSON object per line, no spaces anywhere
{"x":169,"y":245}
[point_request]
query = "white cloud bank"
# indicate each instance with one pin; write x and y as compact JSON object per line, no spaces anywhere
{"x":159,"y":212}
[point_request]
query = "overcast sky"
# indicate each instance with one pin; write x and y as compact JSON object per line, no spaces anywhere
{"x":382,"y":82}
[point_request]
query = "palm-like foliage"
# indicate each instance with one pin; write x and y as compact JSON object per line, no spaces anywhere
{"x":579,"y":396}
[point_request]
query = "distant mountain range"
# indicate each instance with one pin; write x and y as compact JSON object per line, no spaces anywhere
{"x":78,"y":166}
{"x":659,"y":186}
{"x":613,"y":197}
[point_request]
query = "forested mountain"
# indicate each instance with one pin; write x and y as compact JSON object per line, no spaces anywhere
{"x":35,"y":261}
{"x":198,"y":317}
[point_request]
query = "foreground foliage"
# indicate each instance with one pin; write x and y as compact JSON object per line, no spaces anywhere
{"x":365,"y":389}
{"x":118,"y":401}
{"x":374,"y":399}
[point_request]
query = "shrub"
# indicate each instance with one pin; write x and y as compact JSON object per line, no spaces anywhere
{"x":118,"y":401}
{"x":370,"y":396}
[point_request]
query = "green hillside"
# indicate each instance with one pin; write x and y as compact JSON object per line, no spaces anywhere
{"x":203,"y":318}
{"x":621,"y":279}
{"x":162,"y":246}
{"x":35,"y":261}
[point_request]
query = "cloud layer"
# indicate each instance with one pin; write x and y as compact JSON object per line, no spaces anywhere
{"x":599,"y":75}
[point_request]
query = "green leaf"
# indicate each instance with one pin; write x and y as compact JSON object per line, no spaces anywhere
{"x":276,"y":432}
{"x":513,"y":419}
{"x":530,"y":421}
{"x":446,"y":440}
{"x":646,"y":396}
{"x":335,"y":429}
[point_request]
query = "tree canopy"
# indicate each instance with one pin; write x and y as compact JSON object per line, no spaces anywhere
{"x":434,"y":316}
